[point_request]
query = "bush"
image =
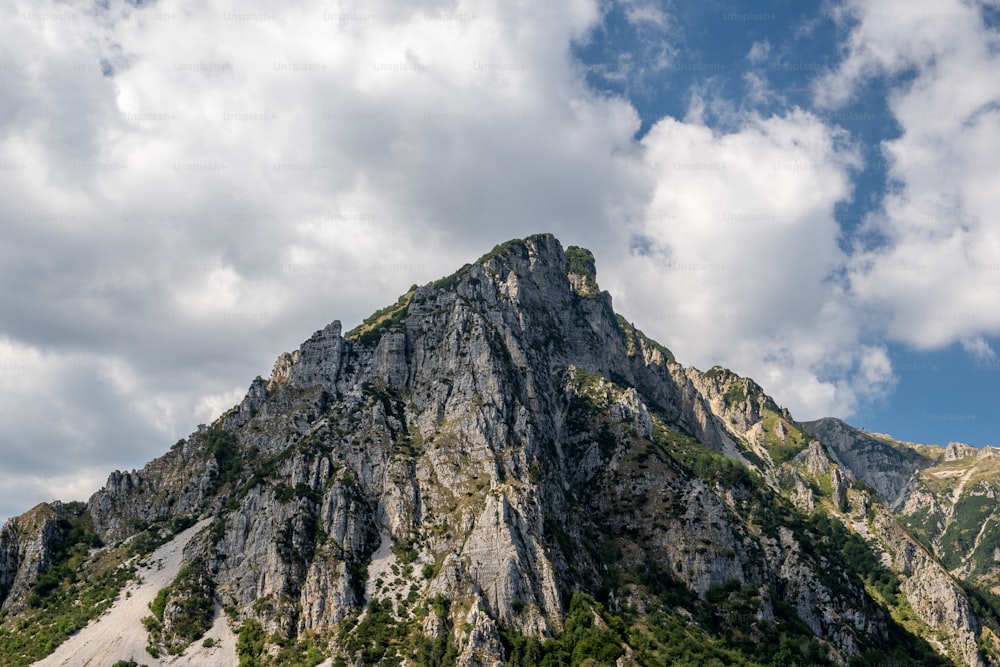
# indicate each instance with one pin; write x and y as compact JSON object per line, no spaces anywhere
{"x":250,"y":643}
{"x":182,"y":611}
{"x":222,"y":445}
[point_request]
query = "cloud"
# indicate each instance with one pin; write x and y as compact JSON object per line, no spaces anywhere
{"x":736,"y":256}
{"x":639,"y":14}
{"x":928,"y":259}
{"x":979,"y":349}
{"x":759,"y":52}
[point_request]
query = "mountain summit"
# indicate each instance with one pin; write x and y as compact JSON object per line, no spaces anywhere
{"x":496,"y":469}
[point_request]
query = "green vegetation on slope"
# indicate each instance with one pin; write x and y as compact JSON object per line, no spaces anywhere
{"x":373,"y":327}
{"x":182,"y":612}
{"x":635,"y":340}
{"x":221,"y":444}
{"x":782,"y":438}
{"x":90,"y":586}
{"x":388,"y":634}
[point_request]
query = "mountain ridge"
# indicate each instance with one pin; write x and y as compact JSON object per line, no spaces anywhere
{"x":499,"y":469}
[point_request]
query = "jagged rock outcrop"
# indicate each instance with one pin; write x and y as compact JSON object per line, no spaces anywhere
{"x":959,"y":450}
{"x":28,"y":544}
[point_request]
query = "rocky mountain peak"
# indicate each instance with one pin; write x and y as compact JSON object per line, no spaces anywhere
{"x":958,"y":450}
{"x":498,"y":469}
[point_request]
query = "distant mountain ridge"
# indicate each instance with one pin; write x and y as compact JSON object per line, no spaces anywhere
{"x":498,"y":469}
{"x":946,"y":496}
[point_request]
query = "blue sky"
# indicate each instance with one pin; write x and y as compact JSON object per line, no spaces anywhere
{"x":803,"y":192}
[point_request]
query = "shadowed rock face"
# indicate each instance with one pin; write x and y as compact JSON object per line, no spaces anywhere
{"x":885,"y":468}
{"x":27,"y":546}
{"x":494,"y":442}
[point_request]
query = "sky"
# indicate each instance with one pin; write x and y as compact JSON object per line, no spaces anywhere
{"x":804,"y":192}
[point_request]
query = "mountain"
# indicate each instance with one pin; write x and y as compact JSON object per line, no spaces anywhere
{"x":498,"y":469}
{"x":945,"y":496}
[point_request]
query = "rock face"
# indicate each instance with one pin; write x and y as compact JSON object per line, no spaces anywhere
{"x":945,"y":496}
{"x":935,"y":597}
{"x":28,"y":544}
{"x":496,"y":469}
{"x":885,"y":468}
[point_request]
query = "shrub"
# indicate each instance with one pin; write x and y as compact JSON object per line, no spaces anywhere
{"x":250,"y":643}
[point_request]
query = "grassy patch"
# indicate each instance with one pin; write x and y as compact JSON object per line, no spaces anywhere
{"x":65,"y":608}
{"x":782,"y":446}
{"x":636,"y":341}
{"x":370,"y":331}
